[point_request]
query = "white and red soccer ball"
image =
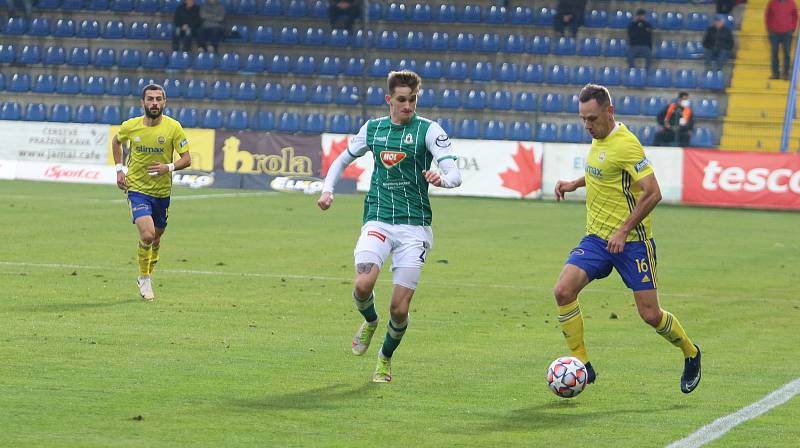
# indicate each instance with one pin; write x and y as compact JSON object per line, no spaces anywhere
{"x":567,"y":376}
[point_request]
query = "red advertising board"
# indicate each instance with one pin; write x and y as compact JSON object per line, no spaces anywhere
{"x":741,"y":179}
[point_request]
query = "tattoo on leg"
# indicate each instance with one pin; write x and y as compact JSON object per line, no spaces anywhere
{"x":364,"y":268}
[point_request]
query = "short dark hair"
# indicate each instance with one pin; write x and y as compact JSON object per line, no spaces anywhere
{"x":683,"y":94}
{"x":403,"y":78}
{"x":595,"y":92}
{"x":154,"y":87}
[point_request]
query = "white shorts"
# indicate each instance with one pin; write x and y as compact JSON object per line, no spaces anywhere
{"x":408,"y":245}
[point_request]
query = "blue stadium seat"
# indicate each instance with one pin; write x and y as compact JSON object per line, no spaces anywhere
{"x":119,"y":86}
{"x":279,"y":64}
{"x":421,"y":13}
{"x":706,"y":108}
{"x":646,"y":134}
{"x":94,"y":85}
{"x":439,"y":41}
{"x":69,"y":85}
{"x":54,"y":56}
{"x":236,"y":119}
{"x":29,"y":54}
{"x":321,"y":95}
{"x":114,"y":29}
{"x":456,"y":70}
{"x":496,"y":15}
{"x":19,"y":82}
{"x":314,"y":37}
{"x":246,"y":91}
{"x":154,"y":59}
{"x":305,"y":65}
{"x":583,"y":75}
{"x":446,"y":13}
{"x":8,"y":53}
{"x":558,"y":74}
{"x":79,"y":56}
{"x":37,"y":112}
{"x":138,"y":31}
{"x":173,"y":87}
{"x":544,"y":16}
{"x":539,"y":45}
{"x":475,"y":100}
{"x":407,"y":64}
{"x":395,"y":12}
{"x":481,"y":71}
{"x":467,"y":128}
{"x":289,"y":122}
{"x":620,"y":19}
{"x":713,"y":80}
{"x":653,"y":105}
{"x":212,"y":119}
{"x":463,"y":42}
{"x":691,"y":49}
{"x":590,"y":46}
{"x":426,"y":98}
{"x":494,"y":130}
{"x":39,"y":26}
{"x":205,"y":61}
{"x":85,"y":113}
{"x":415,"y":40}
{"x":238,"y":33}
{"x":330,"y":66}
{"x":514,"y":43}
{"x":195,"y":89}
{"x":72,"y":5}
{"x":616,"y":48}
{"x":449,"y":99}
{"x":500,"y":100}
{"x":130,"y":58}
{"x":634,"y":77}
{"x":102,"y":5}
{"x":671,"y":20}
{"x":697,"y":21}
{"x":660,"y":78}
{"x":339,"y":38}
{"x":262,"y":35}
{"x":63,"y":28}
{"x":296,"y":8}
{"x":230,"y":62}
{"x":358,"y":38}
{"x":48,"y":4}
{"x":703,"y":138}
{"x":263,"y":120}
{"x":520,"y":131}
{"x":526,"y":102}
{"x":571,"y":133}
{"x":255,"y":63}
{"x":270,"y":8}
{"x":447,"y":125}
{"x":489,"y":43}
{"x":686,"y":79}
{"x":564,"y":46}
{"x":596,"y":19}
{"x":246,"y":8}
{"x":319,"y":9}
{"x":187,"y":116}
{"x":431,"y":69}
{"x":571,"y":103}
{"x":89,"y":29}
{"x":666,"y":49}
{"x":547,"y":132}
{"x":552,"y":103}
{"x":532,"y":73}
{"x":2,"y":81}
{"x":162,"y":31}
{"x":289,"y":35}
{"x":44,"y":83}
{"x":60,"y":113}
{"x":105,"y":57}
{"x":140,"y":84}
{"x":314,"y":123}
{"x":354,"y":67}
{"x":16,"y":26}
{"x":506,"y":72}
{"x":470,"y":14}
{"x":340,"y":124}
{"x":380,"y":67}
{"x":10,"y":110}
{"x":121,"y":5}
{"x":220,"y":90}
{"x":628,"y":105}
{"x":297,"y":93}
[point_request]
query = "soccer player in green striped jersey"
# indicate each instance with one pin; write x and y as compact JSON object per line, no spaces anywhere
{"x":397,"y":211}
{"x":153,"y":139}
{"x":621,"y":192}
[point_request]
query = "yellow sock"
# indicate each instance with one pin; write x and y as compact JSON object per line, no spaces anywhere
{"x":671,"y":330}
{"x":571,"y":320}
{"x":144,"y":257}
{"x":153,"y":258}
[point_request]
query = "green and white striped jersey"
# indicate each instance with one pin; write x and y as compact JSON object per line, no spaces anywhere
{"x":398,"y":192}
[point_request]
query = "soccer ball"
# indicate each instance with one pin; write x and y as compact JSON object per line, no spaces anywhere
{"x":566,"y":376}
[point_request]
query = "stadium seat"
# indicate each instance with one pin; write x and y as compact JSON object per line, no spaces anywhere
{"x":500,"y":100}
{"x":121,"y":5}
{"x":230,"y":62}
{"x":154,"y":59}
{"x":671,"y":20}
{"x":8,"y":53}
{"x":489,"y":43}
{"x":36,"y":112}
{"x":29,"y":54}
{"x":114,"y":29}
{"x":407,"y":64}
{"x":544,"y":16}
{"x":358,"y":38}
{"x":63,"y":28}
{"x":702,"y":138}
{"x":270,"y":8}
{"x":53,"y":56}
{"x":119,"y":86}
{"x":89,"y":29}
{"x":314,"y":37}
{"x":494,"y":130}
{"x":19,"y":82}
{"x":130,"y":58}
{"x":481,"y":71}
{"x":552,"y":103}
{"x":426,"y":98}
{"x":467,"y":128}
{"x":262,"y":35}
{"x":296,"y":8}
{"x":620,"y":19}
{"x":289,"y":35}
{"x":272,"y":92}
{"x":421,"y":13}
{"x":85,"y":113}
{"x":305,"y":65}
{"x":195,"y":89}
{"x":105,"y":57}
{"x":138,"y":31}
{"x":475,"y":100}
{"x":339,"y":38}
{"x":319,"y":9}
{"x":706,"y":108}
{"x":628,"y":105}
{"x":564,"y":46}
{"x":514,"y":43}
{"x":463,"y":42}
{"x":279,"y":64}
{"x":697,"y":21}
{"x":506,"y":72}
{"x":236,"y":119}
{"x":634,"y":77}
{"x":647,"y":134}
{"x":79,"y":56}
{"x":173,"y":87}
{"x":414,"y":40}
{"x":94,"y":85}
{"x":666,"y":49}
{"x":546,"y":132}
{"x":340,"y":124}
{"x":447,"y":125}
{"x":440,"y":41}
{"x":520,"y":131}
{"x":297,"y":93}
{"x":583,"y":75}
{"x":187,"y":116}
{"x":69,"y":85}
{"x":48,"y":4}
{"x":39,"y":26}
{"x":220,"y":90}
{"x":139,"y":86}
{"x":539,"y":45}
{"x":456,"y":70}
{"x":16,"y":26}
{"x":557,"y":74}
{"x":10,"y":110}
{"x":449,"y":99}
{"x":521,"y":15}
{"x":571,"y":103}
{"x":685,"y":79}
{"x":691,"y":49}
{"x":653,"y":105}
{"x":470,"y":14}
{"x":660,"y":78}
{"x":395,"y":12}
{"x":255,"y":63}
{"x":246,"y":91}
{"x":596,"y":19}
{"x":380,"y":67}
{"x":102,"y":5}
{"x":571,"y":133}
{"x":532,"y":73}
{"x":431,"y":69}
{"x":446,"y":13}
{"x":289,"y":122}
{"x":713,"y":80}
{"x":60,"y":113}
{"x":212,"y":119}
{"x":205,"y":61}
{"x":330,"y":66}
{"x":314,"y":123}
{"x":348,"y":96}
{"x":162,"y":31}
{"x":263,"y":120}
{"x":44,"y":83}
{"x":590,"y":46}
{"x":616,"y":48}
{"x":321,"y":94}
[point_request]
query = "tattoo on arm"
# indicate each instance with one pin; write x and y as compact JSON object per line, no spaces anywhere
{"x":364,"y":268}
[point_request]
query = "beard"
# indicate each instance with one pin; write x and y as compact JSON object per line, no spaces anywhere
{"x":153,"y":114}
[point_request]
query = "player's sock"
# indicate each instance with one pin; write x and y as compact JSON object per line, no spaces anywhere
{"x":143,"y":253}
{"x":671,"y":330}
{"x":366,"y":307}
{"x":394,"y":334}
{"x":153,"y":258}
{"x":571,"y":320}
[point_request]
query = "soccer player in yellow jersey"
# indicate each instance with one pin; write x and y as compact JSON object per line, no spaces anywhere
{"x":153,"y":138}
{"x":621,"y":191}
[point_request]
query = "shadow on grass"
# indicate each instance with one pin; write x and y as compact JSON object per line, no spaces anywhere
{"x":54,"y":307}
{"x":326,"y":397}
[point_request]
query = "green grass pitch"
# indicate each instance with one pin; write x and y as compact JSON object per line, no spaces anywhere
{"x":248,"y":341}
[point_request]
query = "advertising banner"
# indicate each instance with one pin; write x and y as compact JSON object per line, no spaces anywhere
{"x":741,"y":179}
{"x":267,"y":153}
{"x":34,"y":141}
{"x":66,"y":172}
{"x":7,"y":169}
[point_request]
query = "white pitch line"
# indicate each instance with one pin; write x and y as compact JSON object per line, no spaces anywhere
{"x":722,"y":425}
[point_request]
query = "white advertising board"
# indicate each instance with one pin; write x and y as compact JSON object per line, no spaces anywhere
{"x":34,"y":141}
{"x":66,"y":172}
{"x":7,"y":169}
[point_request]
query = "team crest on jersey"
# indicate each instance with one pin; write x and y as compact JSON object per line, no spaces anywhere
{"x":161,"y":140}
{"x":602,"y":156}
{"x":409,"y":139}
{"x":392,"y":158}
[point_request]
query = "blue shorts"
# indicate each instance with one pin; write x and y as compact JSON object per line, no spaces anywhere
{"x":146,"y":205}
{"x":636,"y":264}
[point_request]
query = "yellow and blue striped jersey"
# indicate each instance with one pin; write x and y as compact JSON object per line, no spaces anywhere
{"x":613,"y":167}
{"x":150,"y":144}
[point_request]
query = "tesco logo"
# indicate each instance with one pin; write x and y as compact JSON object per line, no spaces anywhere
{"x":734,"y":178}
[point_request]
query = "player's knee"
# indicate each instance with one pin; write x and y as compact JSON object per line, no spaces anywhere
{"x":651,"y":316}
{"x":564,"y":294}
{"x":363,"y":288}
{"x":399,"y":312}
{"x":147,"y":236}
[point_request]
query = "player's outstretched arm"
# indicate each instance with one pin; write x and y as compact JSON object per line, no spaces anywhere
{"x":158,"y":169}
{"x":325,"y":200}
{"x":564,"y":186}
{"x":449,"y":175}
{"x":116,"y":150}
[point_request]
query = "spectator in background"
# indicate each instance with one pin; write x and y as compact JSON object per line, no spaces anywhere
{"x":569,"y":13}
{"x":677,"y":123}
{"x":187,"y":25}
{"x":27,"y":8}
{"x":717,"y":44}
{"x":343,"y":13}
{"x":781,"y":19}
{"x":640,"y":40}
{"x":212,"y":14}
{"x":725,"y":6}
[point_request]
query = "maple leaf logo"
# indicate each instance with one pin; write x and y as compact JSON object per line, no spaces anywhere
{"x":529,"y":177}
{"x":352,"y":171}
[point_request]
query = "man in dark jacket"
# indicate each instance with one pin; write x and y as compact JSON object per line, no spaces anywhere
{"x":677,"y":123}
{"x":640,"y":40}
{"x":717,"y":44}
{"x":569,"y":13}
{"x":343,"y":13}
{"x":187,"y":25}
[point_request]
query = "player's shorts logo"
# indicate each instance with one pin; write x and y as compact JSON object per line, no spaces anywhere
{"x":391,"y":158}
{"x":577,"y":251}
{"x":377,"y":235}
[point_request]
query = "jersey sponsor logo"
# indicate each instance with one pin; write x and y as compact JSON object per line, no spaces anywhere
{"x":408,"y":139}
{"x":443,"y":141}
{"x":642,"y":164}
{"x":377,"y":235}
{"x":307,"y":185}
{"x":380,"y":139}
{"x":149,"y":149}
{"x":594,"y":171}
{"x":392,"y":158}
{"x":161,"y":140}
